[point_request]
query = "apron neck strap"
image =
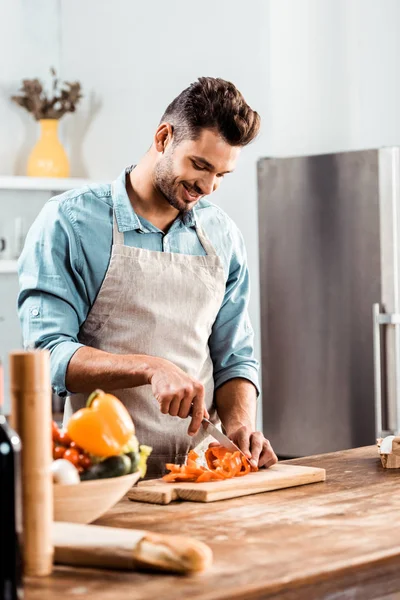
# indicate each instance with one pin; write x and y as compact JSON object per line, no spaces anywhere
{"x":118,"y":236}
{"x":204,"y":241}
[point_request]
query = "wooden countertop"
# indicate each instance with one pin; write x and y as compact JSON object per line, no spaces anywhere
{"x":336,"y":539}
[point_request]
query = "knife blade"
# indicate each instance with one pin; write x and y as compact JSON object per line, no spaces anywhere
{"x":221,"y":437}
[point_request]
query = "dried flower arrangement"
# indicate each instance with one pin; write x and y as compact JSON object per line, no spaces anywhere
{"x":65,"y":97}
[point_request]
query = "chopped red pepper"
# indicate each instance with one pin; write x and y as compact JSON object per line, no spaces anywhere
{"x":222,"y":464}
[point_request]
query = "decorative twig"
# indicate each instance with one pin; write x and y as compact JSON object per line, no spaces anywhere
{"x":34,"y":100}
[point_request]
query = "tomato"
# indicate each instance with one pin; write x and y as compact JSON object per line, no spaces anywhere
{"x":55,"y":432}
{"x":64,"y":438}
{"x":84,"y":461}
{"x":58,"y":452}
{"x":74,"y":445}
{"x":72,"y":455}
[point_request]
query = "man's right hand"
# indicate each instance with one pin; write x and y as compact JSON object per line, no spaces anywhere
{"x":177,"y":393}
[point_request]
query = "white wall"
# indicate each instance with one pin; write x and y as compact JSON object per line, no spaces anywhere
{"x":29,"y":46}
{"x":334,"y":75}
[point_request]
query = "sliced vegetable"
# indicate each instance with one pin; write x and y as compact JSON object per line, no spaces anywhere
{"x":104,"y":427}
{"x":233,"y":464}
{"x":221,"y":464}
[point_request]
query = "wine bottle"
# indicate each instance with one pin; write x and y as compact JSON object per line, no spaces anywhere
{"x":10,"y":508}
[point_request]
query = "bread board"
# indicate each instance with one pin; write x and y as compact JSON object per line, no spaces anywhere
{"x":278,"y":477}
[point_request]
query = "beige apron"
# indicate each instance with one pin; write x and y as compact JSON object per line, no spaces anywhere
{"x":162,"y":304}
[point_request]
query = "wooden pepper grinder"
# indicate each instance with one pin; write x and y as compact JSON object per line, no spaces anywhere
{"x":31,"y":418}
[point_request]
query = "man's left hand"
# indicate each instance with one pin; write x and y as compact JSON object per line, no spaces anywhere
{"x":255,"y":446}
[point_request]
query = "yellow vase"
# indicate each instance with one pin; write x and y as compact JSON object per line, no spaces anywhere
{"x":48,"y":157}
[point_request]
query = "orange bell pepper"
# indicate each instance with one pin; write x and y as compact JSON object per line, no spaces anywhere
{"x":222,"y":464}
{"x":104,"y":427}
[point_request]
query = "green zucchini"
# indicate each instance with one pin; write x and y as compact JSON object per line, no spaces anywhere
{"x":134,"y":458}
{"x":114,"y":466}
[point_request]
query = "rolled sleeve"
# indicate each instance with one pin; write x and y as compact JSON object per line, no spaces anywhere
{"x":61,"y":354}
{"x":52,"y":302}
{"x":232,"y":338}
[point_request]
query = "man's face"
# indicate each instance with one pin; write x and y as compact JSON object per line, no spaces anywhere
{"x":186,"y":172}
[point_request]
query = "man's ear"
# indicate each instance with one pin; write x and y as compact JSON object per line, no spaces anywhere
{"x":163,"y":136}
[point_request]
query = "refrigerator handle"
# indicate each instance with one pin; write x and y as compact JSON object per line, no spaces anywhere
{"x":376,"y":313}
{"x":381,"y":318}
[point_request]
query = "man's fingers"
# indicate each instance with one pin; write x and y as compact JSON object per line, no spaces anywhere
{"x":271,"y":462}
{"x":197,"y":416}
{"x":174,"y":407}
{"x":243,"y":442}
{"x":197,"y":411}
{"x":181,"y":399}
{"x":267,"y":456}
{"x":185,"y":407}
{"x":169,"y":402}
{"x":256,"y":446}
{"x":164,"y":403}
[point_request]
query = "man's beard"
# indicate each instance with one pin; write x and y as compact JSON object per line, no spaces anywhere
{"x":164,"y":182}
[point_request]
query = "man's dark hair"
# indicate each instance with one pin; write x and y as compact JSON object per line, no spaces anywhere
{"x":212,"y":103}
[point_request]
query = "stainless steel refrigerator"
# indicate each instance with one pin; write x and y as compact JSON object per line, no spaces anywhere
{"x":330,"y":299}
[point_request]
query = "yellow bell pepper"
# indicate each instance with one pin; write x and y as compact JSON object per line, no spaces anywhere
{"x":144,"y":454}
{"x":104,"y":427}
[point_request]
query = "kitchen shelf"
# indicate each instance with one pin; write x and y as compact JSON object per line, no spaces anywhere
{"x":50,"y":184}
{"x":8,"y":266}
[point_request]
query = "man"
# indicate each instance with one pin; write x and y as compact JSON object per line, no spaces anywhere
{"x":141,"y":288}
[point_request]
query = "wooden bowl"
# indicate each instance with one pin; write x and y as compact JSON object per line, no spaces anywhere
{"x":88,"y":500}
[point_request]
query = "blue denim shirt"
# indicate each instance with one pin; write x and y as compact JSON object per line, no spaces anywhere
{"x":66,"y":256}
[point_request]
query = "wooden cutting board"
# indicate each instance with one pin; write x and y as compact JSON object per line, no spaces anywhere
{"x":275,"y":478}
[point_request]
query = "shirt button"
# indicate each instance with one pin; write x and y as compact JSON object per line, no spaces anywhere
{"x":35,"y":312}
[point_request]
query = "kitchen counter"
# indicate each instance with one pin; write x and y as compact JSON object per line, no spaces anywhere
{"x":336,"y":539}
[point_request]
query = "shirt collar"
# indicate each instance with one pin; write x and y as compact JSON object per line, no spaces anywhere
{"x":127,"y":219}
{"x":189,"y":218}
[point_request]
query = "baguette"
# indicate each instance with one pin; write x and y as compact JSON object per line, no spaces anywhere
{"x":118,"y":548}
{"x":172,"y":553}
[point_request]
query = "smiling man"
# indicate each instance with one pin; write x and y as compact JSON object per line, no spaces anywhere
{"x":141,"y":287}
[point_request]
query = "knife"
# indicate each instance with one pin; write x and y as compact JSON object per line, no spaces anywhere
{"x":221,"y":437}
